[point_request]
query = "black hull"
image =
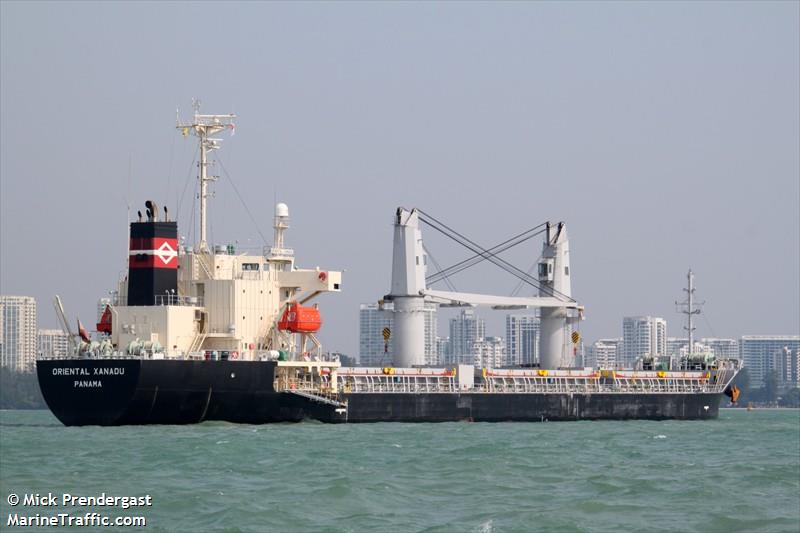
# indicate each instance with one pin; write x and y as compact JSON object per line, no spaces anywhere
{"x":126,"y":391}
{"x":505,"y":407}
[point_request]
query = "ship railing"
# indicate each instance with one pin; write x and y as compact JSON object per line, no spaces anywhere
{"x":96,"y":355}
{"x":248,"y":275}
{"x":397,"y":383}
{"x":380,"y":383}
{"x":683,"y":385}
{"x":712,"y":383}
{"x":174,"y":299}
{"x":541,"y":384}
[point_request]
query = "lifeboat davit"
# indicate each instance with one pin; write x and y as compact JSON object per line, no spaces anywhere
{"x":299,"y":319}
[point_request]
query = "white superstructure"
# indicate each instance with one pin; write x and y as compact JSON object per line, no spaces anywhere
{"x":226,"y":304}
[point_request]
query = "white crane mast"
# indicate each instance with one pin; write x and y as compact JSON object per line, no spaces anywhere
{"x":408,"y":288}
{"x":554,"y":281}
{"x":409,"y":294}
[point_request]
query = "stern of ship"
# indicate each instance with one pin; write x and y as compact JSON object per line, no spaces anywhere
{"x":84,"y":392}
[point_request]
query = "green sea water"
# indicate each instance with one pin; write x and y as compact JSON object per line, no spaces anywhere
{"x":738,"y":473}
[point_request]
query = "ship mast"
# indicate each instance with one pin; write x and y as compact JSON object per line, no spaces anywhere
{"x":204,"y":127}
{"x":688,"y":308}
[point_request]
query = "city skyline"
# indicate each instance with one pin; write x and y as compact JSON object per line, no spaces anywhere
{"x":22,"y":341}
{"x":671,"y":146}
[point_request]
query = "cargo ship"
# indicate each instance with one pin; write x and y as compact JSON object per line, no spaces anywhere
{"x":204,"y":332}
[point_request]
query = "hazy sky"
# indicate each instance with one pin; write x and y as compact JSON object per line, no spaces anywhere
{"x":665,"y":134}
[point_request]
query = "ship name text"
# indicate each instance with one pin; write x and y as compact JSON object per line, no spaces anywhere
{"x":110,"y":371}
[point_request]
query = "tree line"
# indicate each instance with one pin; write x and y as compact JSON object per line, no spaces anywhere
{"x":773,"y":393}
{"x":20,"y":390}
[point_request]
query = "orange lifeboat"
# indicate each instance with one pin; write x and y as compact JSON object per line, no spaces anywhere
{"x":299,"y":319}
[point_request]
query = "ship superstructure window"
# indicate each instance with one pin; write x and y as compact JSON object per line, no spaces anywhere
{"x":249,"y":266}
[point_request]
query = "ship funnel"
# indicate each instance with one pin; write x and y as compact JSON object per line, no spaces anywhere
{"x":153,"y":259}
{"x":408,"y":283}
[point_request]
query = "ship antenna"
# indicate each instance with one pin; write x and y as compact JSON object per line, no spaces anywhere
{"x":204,"y":127}
{"x":689,"y":308}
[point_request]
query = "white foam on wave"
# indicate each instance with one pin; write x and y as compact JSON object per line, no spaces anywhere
{"x":486,"y":527}
{"x":660,"y":437}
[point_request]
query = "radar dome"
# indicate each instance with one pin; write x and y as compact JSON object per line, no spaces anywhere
{"x":281,"y":210}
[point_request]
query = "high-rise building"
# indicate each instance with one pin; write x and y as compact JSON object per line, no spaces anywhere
{"x":52,"y":343}
{"x":431,"y":331}
{"x":603,"y":353}
{"x":786,"y":365}
{"x":465,"y":329}
{"x":490,"y":352}
{"x":641,"y":336}
{"x":374,"y":351}
{"x":762,"y":354}
{"x":18,"y":333}
{"x":722,"y":348}
{"x":443,"y":349}
{"x":676,"y":344}
{"x":789,"y":364}
{"x":522,"y":339}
